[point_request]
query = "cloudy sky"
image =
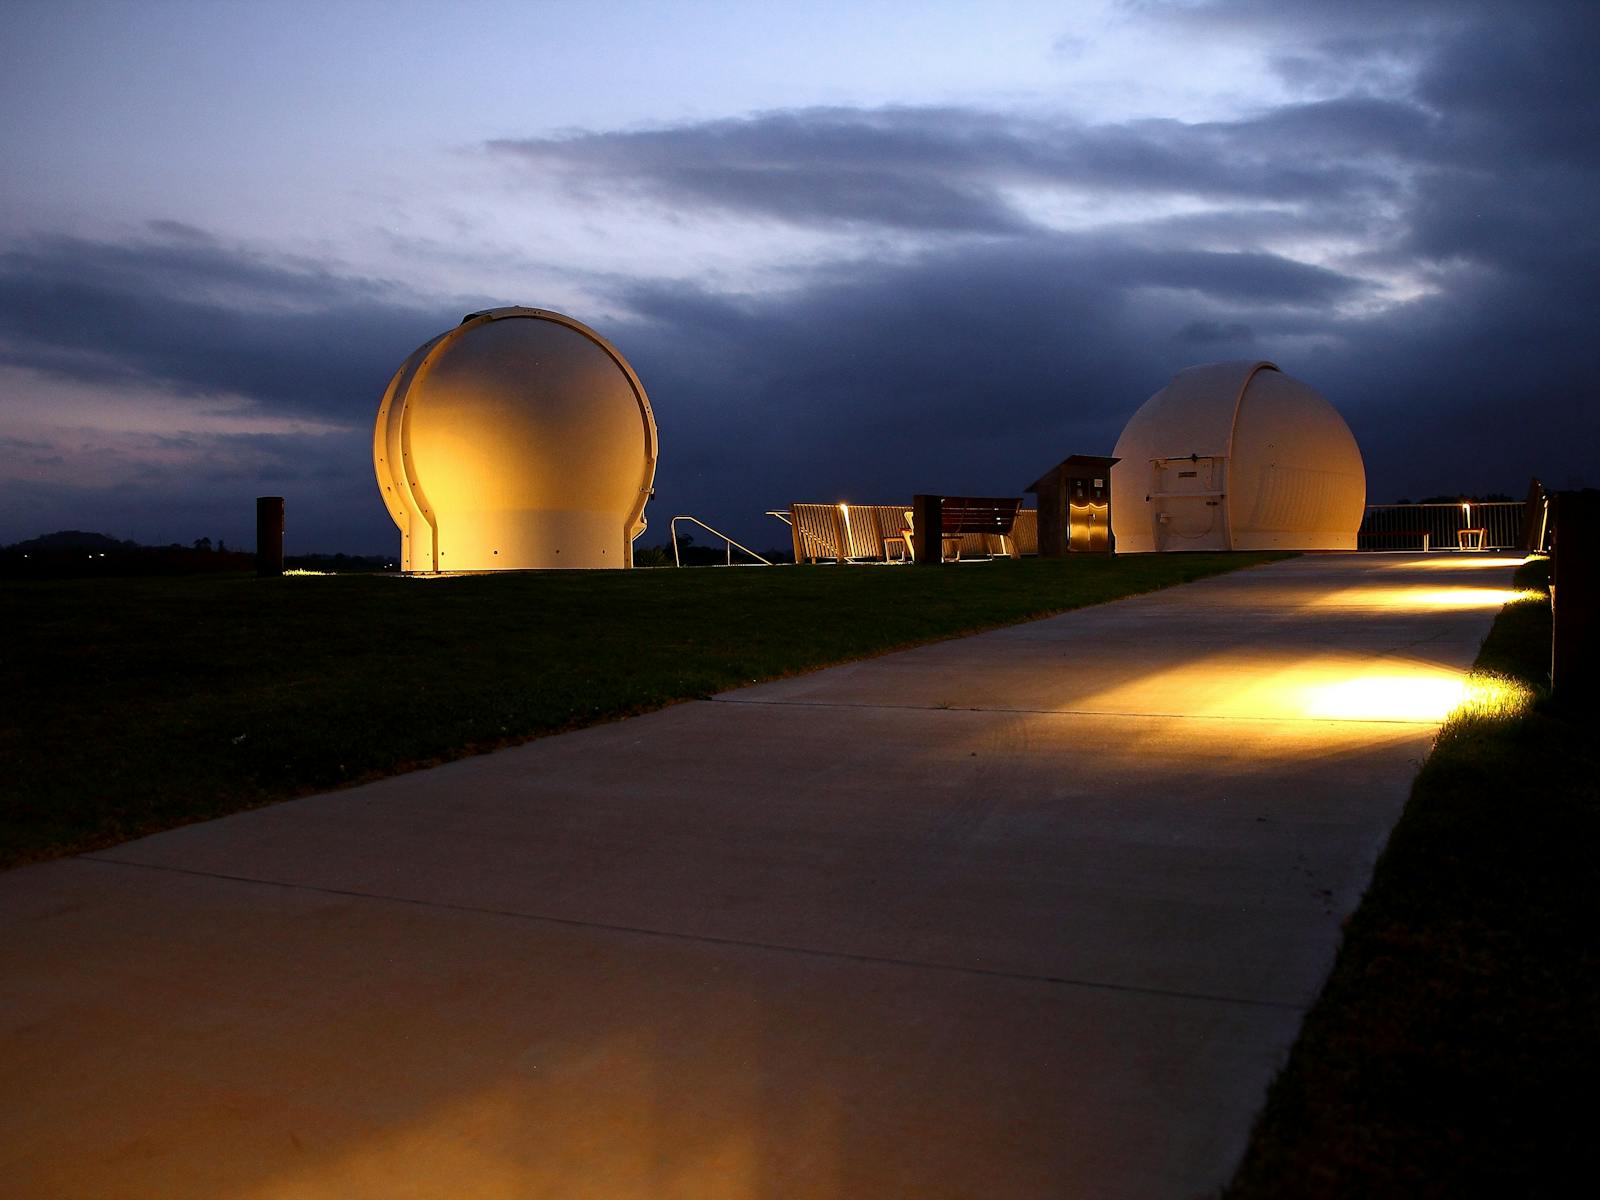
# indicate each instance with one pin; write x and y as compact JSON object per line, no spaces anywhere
{"x":854,"y":250}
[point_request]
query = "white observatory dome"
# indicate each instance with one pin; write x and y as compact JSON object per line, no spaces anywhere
{"x":519,"y":439}
{"x":1237,"y":456}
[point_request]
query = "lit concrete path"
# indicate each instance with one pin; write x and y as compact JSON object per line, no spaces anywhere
{"x":1029,"y":914}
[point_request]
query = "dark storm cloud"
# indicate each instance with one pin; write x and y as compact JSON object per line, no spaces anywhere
{"x":210,"y":493}
{"x":1473,"y":176}
{"x":1498,"y":79}
{"x":177,"y":310}
{"x":1492,"y":377}
{"x":922,"y":169}
{"x":1204,"y":333}
{"x":975,"y":370}
{"x":971,"y":369}
{"x":1519,"y":192}
{"x":1522,"y":88}
{"x":1363,"y":23}
{"x":180,"y":310}
{"x":943,"y":170}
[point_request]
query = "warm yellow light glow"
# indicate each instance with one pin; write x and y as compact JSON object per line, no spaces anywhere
{"x":1420,"y":599}
{"x":1451,"y":562}
{"x":1085,"y":520}
{"x":1416,"y":696}
{"x":1493,"y":696}
{"x":1316,"y":687}
{"x":303,"y":571}
{"x":1383,"y":692}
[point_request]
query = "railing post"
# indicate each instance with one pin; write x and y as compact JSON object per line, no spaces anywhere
{"x":727,"y":542}
{"x":927,"y":519}
{"x":1575,"y":597}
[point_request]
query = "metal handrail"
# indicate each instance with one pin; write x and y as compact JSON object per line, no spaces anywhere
{"x":672,"y":529}
{"x":1442,"y":522}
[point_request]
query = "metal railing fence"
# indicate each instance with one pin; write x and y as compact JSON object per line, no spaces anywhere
{"x":1439,"y":526}
{"x":728,"y":543}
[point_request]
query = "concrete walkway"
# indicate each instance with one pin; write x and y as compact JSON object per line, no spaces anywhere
{"x":1030,"y":914}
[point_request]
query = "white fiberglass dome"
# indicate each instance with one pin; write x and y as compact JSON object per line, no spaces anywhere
{"x":519,"y":439}
{"x":1237,"y":456}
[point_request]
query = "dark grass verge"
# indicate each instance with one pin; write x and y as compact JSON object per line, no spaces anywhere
{"x":141,"y":704}
{"x":1455,"y":1051}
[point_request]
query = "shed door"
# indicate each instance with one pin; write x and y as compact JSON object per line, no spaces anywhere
{"x":1187,"y":503}
{"x":1088,"y":514}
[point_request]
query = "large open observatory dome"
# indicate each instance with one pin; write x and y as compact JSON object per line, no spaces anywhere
{"x":1237,"y":456}
{"x":519,"y":439}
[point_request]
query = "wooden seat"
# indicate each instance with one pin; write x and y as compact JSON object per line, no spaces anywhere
{"x":847,"y":533}
{"x":903,"y":539}
{"x":991,"y":519}
{"x":949,"y":543}
{"x":818,"y":533}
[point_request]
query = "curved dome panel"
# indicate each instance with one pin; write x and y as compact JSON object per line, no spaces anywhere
{"x":1236,"y":456}
{"x":1296,"y":480}
{"x":520,"y":439}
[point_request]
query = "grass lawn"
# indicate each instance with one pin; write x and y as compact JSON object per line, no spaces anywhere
{"x":1456,"y":1049}
{"x":140,"y":704}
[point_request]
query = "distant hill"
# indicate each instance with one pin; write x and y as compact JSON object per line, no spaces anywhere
{"x":78,"y":554}
{"x":73,"y":539}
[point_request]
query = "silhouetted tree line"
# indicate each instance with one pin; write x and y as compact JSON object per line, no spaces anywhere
{"x":76,"y":554}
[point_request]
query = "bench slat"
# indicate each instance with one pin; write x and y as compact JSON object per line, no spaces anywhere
{"x":978,"y":514}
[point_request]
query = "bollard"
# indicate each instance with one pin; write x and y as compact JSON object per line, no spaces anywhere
{"x":927,"y":520}
{"x":1575,"y":597}
{"x":269,"y":536}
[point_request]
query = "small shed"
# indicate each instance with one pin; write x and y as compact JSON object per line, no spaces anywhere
{"x":1075,"y":506}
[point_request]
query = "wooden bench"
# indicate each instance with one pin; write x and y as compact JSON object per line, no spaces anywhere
{"x":990,"y":517}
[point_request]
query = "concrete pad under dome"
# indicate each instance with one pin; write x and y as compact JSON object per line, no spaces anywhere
{"x":1034,"y":913}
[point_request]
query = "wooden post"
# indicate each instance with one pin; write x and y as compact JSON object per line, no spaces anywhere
{"x":1575,"y":598}
{"x":927,"y":519}
{"x":1052,"y":517}
{"x":269,"y":535}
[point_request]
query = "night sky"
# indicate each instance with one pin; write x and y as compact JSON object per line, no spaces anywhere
{"x":854,"y":250}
